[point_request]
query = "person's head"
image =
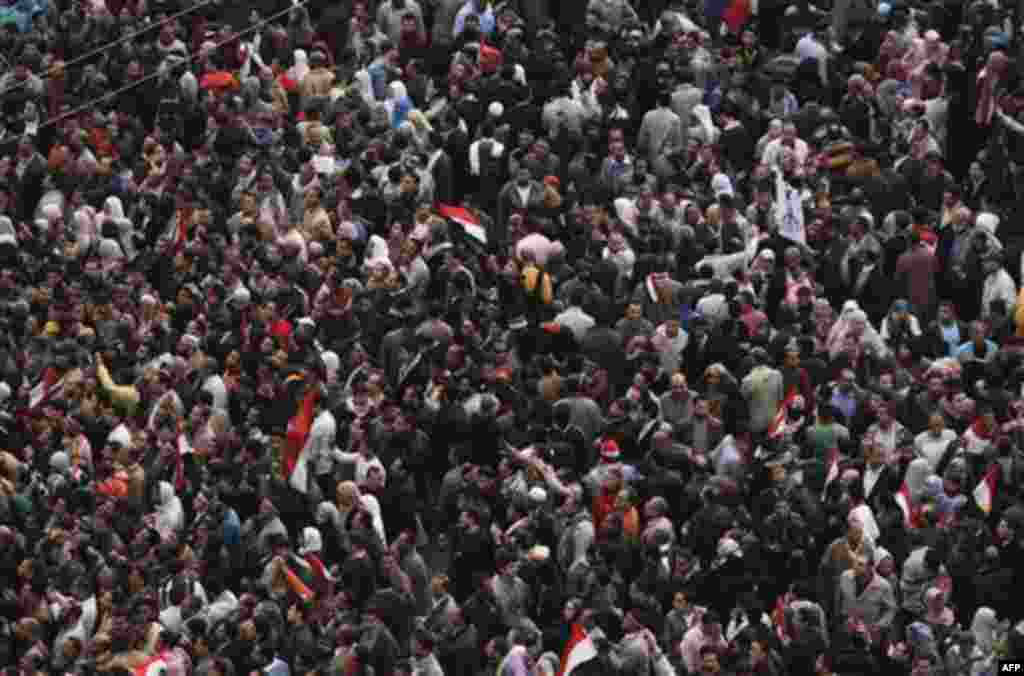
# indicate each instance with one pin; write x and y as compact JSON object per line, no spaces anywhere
{"x":709,"y":661}
{"x":346,"y":494}
{"x":408,"y":24}
{"x":863,"y":568}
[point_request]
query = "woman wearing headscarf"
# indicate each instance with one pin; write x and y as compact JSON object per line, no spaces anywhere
{"x":113,"y":212}
{"x":398,"y":104}
{"x":419,"y":128}
{"x":704,"y":130}
{"x":86,"y":230}
{"x":854,"y":330}
{"x":985,"y":628}
{"x":170,"y":515}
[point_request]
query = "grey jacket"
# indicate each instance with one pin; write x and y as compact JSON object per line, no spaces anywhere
{"x":876,"y":605}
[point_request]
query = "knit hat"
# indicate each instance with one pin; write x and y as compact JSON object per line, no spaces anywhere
{"x":610,"y":450}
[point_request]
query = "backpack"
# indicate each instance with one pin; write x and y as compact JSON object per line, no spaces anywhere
{"x":537,"y":284}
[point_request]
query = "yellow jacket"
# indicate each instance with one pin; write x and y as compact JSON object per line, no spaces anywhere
{"x":125,"y":398}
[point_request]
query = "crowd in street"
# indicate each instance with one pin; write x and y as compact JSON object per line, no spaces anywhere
{"x":521,"y":338}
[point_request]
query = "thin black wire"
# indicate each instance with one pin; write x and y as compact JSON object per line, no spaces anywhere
{"x":158,"y":73}
{"x":124,"y":38}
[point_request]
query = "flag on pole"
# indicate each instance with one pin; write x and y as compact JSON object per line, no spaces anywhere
{"x":789,"y":210}
{"x":832,"y":470}
{"x":779,"y":615}
{"x":736,"y":15}
{"x":778,"y":425}
{"x":51,"y":385}
{"x":906,"y":505}
{"x":295,"y":457}
{"x":985,"y":492}
{"x":475,"y":234}
{"x":578,"y":649}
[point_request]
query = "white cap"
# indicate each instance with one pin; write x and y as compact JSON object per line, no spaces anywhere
{"x":311,"y":541}
{"x":241,"y":296}
{"x":331,"y":361}
{"x":496,"y":109}
{"x":728,"y":547}
{"x":538,"y":494}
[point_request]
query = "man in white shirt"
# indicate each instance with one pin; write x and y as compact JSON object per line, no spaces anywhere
{"x":775,"y":150}
{"x":931,"y":444}
{"x":998,"y":285}
{"x":575,"y":318}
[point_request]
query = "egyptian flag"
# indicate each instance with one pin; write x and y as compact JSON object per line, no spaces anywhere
{"x":295,"y":456}
{"x":153,"y":666}
{"x":779,"y":615}
{"x":51,"y":385}
{"x":473,"y":233}
{"x":578,"y":649}
{"x":906,"y":505}
{"x":311,"y":571}
{"x":182,"y":219}
{"x":778,"y":426}
{"x":985,"y":492}
{"x":832,"y":471}
{"x":736,"y":15}
{"x":298,"y":586}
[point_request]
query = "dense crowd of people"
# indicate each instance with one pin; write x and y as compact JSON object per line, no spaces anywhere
{"x":450,"y":337}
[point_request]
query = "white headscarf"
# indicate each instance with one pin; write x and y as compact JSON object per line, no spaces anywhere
{"x":331,"y":365}
{"x":984,"y":629}
{"x":85,"y":224}
{"x":113,"y":209}
{"x":361,"y":81}
{"x":851,"y":316}
{"x":703,"y":114}
{"x":176,"y":403}
{"x":7,"y":232}
{"x":170,"y":516}
{"x":917,"y":474}
{"x":301,"y":68}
